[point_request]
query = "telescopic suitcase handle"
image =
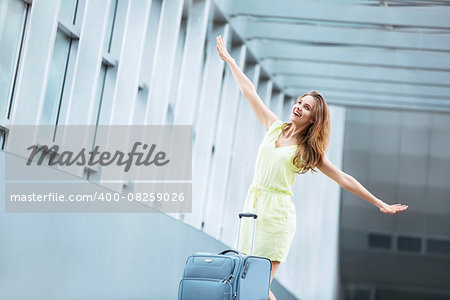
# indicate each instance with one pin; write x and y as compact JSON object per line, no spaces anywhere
{"x":228,"y":251}
{"x":247,"y":215}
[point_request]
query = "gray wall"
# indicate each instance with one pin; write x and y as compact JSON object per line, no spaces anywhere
{"x":127,"y":62}
{"x":402,"y":157}
{"x":96,"y":256}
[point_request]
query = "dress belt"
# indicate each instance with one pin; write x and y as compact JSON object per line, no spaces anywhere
{"x":257,"y":188}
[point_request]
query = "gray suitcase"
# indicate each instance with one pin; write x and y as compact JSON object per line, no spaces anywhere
{"x":228,"y":275}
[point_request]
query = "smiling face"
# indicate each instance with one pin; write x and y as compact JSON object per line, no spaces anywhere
{"x":302,"y":112}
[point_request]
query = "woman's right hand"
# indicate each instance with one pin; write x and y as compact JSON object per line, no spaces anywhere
{"x":222,"y":50}
{"x":392,"y":209}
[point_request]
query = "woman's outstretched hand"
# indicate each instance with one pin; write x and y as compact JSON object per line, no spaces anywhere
{"x":223,"y":53}
{"x":392,"y":209}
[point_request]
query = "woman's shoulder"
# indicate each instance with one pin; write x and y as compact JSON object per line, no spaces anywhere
{"x":276,"y":124}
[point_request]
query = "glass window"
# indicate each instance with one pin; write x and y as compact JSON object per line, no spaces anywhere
{"x":106,"y":83}
{"x":139,"y":109}
{"x":110,"y":28}
{"x":55,"y":79}
{"x":103,"y":110}
{"x":67,"y":11}
{"x":100,"y":90}
{"x":98,"y":104}
{"x":12,"y":22}
{"x":58,"y":67}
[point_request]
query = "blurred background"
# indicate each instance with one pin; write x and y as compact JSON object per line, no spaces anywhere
{"x":383,"y":67}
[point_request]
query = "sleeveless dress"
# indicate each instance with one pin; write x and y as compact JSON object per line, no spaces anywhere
{"x":269,"y":196}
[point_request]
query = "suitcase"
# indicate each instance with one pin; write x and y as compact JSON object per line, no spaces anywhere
{"x":228,"y":275}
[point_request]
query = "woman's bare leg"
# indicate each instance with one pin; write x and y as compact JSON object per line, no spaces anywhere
{"x":275,"y":265}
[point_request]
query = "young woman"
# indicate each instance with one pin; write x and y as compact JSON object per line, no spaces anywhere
{"x":287,"y":149}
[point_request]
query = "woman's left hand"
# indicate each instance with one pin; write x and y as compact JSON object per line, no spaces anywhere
{"x":392,"y":209}
{"x":222,"y":50}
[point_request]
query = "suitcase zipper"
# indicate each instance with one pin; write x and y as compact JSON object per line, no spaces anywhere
{"x":245,"y":271}
{"x":236,"y":271}
{"x":225,"y":280}
{"x":231,"y":276}
{"x":230,"y":287}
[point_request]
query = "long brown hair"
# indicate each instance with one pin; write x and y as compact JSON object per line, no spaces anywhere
{"x":313,"y":141}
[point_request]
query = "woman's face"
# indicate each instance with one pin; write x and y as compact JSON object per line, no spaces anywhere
{"x":302,"y":112}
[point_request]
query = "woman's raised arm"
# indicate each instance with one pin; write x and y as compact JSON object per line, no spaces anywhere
{"x":352,"y":185}
{"x":262,"y":112}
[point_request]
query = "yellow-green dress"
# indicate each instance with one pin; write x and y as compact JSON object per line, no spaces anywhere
{"x":269,"y":196}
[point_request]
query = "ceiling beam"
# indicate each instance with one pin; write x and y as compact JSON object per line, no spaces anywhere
{"x":357,"y":73}
{"x":348,"y":55}
{"x":394,"y":89}
{"x":342,"y":36}
{"x":378,"y":101}
{"x":425,"y":17}
{"x":388,"y":105}
{"x":383,"y":98}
